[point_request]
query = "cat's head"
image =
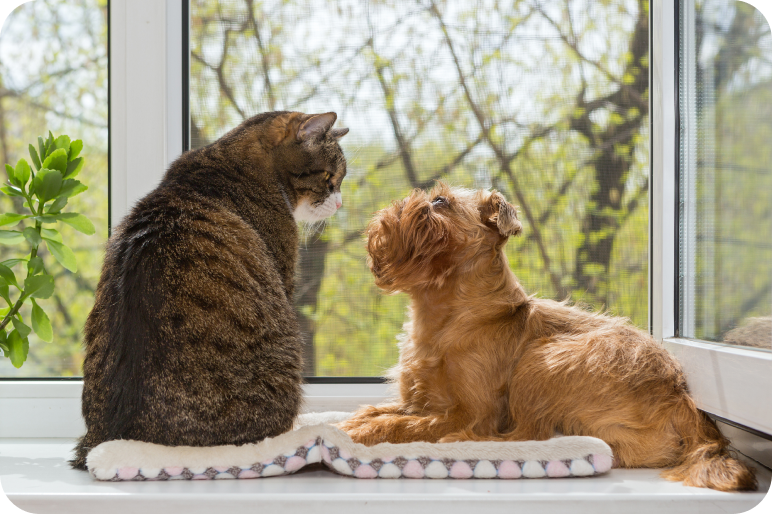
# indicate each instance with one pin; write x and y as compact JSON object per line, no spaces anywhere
{"x":306,"y":156}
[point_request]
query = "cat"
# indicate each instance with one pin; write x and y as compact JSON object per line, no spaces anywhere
{"x":193,"y":338}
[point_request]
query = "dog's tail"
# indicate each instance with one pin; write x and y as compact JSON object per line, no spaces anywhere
{"x":705,"y":461}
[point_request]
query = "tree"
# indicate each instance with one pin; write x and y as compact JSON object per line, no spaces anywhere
{"x":447,"y":91}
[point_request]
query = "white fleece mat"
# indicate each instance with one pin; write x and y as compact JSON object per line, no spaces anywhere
{"x":314,"y":440}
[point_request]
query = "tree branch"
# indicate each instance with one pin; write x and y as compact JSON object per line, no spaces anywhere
{"x":263,"y":56}
{"x":504,"y":160}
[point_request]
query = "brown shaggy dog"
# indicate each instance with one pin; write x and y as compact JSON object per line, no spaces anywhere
{"x":482,"y":360}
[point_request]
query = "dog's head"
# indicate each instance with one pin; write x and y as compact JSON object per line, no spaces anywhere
{"x":428,"y":238}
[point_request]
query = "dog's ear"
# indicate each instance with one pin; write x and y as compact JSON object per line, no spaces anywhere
{"x":500,"y":215}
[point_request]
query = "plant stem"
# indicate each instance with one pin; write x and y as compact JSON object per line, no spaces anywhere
{"x":13,"y":311}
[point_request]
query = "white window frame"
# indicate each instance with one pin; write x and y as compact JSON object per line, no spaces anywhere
{"x":146,"y":135}
{"x":731,"y":382}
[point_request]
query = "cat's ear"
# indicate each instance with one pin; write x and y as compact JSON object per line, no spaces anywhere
{"x":338,"y":133}
{"x":316,"y":126}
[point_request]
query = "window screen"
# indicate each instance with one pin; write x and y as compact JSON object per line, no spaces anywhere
{"x":545,"y":101}
{"x":725,"y":90}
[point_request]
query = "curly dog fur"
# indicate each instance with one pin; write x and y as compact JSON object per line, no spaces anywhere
{"x":482,"y":360}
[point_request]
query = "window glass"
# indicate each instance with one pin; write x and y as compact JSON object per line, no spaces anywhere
{"x":725,"y":207}
{"x":545,"y":101}
{"x":53,"y":76}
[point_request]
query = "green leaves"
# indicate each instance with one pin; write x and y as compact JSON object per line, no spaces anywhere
{"x":39,"y":286}
{"x":35,"y":157}
{"x":18,"y":347}
{"x":57,"y":161}
{"x":22,"y":172}
{"x":32,"y":235}
{"x":11,"y":237}
{"x":75,"y":148}
{"x":71,"y":188}
{"x":11,"y":219}
{"x":63,"y":254}
{"x":77,"y":221}
{"x":19,"y":325}
{"x":41,"y":324}
{"x":7,"y":276}
{"x":48,"y":182}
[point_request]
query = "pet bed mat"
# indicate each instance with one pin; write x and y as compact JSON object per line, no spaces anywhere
{"x":315,"y":440}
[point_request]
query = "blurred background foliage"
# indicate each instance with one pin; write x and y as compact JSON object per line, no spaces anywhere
{"x":545,"y":101}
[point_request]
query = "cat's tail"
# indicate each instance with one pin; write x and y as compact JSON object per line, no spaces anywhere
{"x":81,"y":452}
{"x":706,"y":461}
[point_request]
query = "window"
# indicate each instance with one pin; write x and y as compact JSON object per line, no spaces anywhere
{"x":709,"y":273}
{"x":725,"y":202}
{"x":546,"y":102}
{"x":53,"y":76}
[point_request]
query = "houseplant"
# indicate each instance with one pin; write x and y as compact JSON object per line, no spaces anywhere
{"x":44,"y":192}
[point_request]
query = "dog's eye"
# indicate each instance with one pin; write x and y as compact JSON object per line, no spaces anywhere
{"x":440,"y":200}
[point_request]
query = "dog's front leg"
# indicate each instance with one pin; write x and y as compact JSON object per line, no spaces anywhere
{"x":389,"y":424}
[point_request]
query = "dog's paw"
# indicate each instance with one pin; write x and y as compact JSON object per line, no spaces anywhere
{"x":453,"y":438}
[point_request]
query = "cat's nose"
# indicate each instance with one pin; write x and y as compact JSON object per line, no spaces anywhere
{"x":338,"y":204}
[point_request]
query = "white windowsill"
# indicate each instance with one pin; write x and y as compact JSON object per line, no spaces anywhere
{"x":35,"y":476}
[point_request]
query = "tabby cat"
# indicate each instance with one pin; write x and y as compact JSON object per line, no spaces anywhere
{"x":193,"y":338}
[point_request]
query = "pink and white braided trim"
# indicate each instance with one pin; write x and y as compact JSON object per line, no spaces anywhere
{"x":556,"y":458}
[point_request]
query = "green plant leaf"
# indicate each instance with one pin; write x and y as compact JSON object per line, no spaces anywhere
{"x":63,"y":254}
{"x":11,"y":237}
{"x":41,"y":324}
{"x":77,"y":221}
{"x":31,"y":235}
{"x":11,"y":218}
{"x":48,"y":183}
{"x":4,"y":343}
{"x":34,"y":156}
{"x":11,"y":191}
{"x":58,"y":204}
{"x":19,"y":348}
{"x":42,"y":147}
{"x":63,"y":142}
{"x":75,"y":148}
{"x":50,"y":148}
{"x":74,"y":167}
{"x":13,"y":262}
{"x":39,"y":286}
{"x":45,"y":219}
{"x":22,"y":172}
{"x":5,"y":293}
{"x":11,"y":174}
{"x":71,"y":188}
{"x":56,"y":161}
{"x":35,"y":265}
{"x":21,"y":327}
{"x":52,"y":234}
{"x":8,"y":276}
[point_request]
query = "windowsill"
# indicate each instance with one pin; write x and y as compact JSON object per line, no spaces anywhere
{"x":36,"y":477}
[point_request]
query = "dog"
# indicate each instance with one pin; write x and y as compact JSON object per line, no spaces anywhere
{"x":481,"y":360}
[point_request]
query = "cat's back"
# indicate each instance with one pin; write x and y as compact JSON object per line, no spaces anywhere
{"x":190,"y":305}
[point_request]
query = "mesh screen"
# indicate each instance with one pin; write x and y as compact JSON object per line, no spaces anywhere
{"x":546,"y":102}
{"x":726,"y":173}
